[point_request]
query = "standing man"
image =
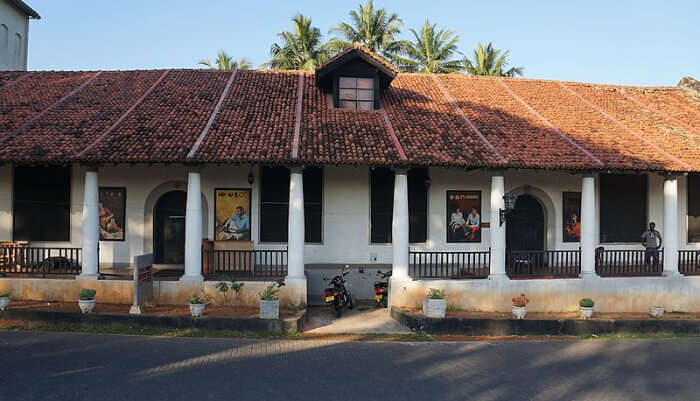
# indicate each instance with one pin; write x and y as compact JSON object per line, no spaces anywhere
{"x":651,"y":240}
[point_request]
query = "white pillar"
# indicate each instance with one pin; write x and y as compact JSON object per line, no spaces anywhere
{"x":295,"y":238}
{"x":193,"y":228}
{"x":399,"y":226}
{"x":498,"y":231}
{"x":670,"y":234}
{"x":588,"y":221}
{"x":91,"y":224}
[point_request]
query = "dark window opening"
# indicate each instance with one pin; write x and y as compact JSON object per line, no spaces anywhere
{"x":694,"y":207}
{"x":623,"y":207}
{"x":41,"y":204}
{"x":382,"y":205}
{"x":274,"y":204}
{"x":356,"y":93}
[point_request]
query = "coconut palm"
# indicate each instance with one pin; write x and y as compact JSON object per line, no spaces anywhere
{"x":225,"y":62}
{"x":490,"y":61}
{"x":431,"y":51}
{"x":373,"y":28}
{"x":300,"y":49}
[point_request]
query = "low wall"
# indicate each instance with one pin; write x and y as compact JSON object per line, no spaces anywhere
{"x":164,"y":292}
{"x":633,"y":294}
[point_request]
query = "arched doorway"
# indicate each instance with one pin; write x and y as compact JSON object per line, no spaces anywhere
{"x":169,"y":228}
{"x":525,"y":227}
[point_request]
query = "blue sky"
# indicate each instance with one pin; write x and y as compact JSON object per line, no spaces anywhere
{"x":624,"y":42}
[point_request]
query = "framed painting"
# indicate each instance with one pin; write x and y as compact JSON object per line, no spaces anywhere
{"x":572,"y":216}
{"x":232,"y":214}
{"x":463,"y":216}
{"x":112,"y":212}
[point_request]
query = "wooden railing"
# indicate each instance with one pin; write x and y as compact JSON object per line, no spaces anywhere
{"x":629,"y":262}
{"x":40,"y":260}
{"x":456,"y":265}
{"x":689,"y":262}
{"x":245,"y":263}
{"x":543,"y":264}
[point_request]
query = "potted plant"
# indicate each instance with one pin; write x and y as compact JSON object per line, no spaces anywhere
{"x":585,"y":307}
{"x":86,"y":300}
{"x":5,"y":300}
{"x":434,"y":304}
{"x":197,"y":303}
{"x":270,"y":302}
{"x":656,"y":311}
{"x":520,"y":306}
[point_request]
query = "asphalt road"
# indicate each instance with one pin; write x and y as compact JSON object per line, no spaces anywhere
{"x":65,"y":366}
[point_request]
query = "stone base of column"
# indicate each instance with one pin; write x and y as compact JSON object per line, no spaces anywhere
{"x":499,"y":277}
{"x":84,"y":276}
{"x":193,"y":279}
{"x":589,"y":275}
{"x":671,"y":273}
{"x":294,"y":291}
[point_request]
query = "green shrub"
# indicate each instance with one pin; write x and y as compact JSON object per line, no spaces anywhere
{"x":87,"y":294}
{"x":271,"y":292}
{"x":435,"y":293}
{"x":226,"y":284}
{"x":586,"y":303}
{"x":200,"y":299}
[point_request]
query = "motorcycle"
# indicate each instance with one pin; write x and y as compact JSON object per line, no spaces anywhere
{"x":337,"y":294}
{"x":381,"y":289}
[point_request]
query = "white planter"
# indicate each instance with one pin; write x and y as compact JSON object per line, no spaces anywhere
{"x":519,"y":312}
{"x":434,"y":307}
{"x":196,"y":310}
{"x":269,"y":309}
{"x":86,"y":306}
{"x":5,"y":302}
{"x":657,"y":311}
{"x":586,"y":311}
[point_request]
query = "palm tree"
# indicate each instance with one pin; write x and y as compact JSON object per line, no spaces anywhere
{"x":490,"y":61}
{"x":374,"y":29}
{"x":301,"y":49}
{"x":225,"y":62}
{"x":431,"y":51}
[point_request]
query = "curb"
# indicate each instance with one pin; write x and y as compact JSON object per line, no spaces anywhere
{"x":573,"y":327}
{"x":288,"y":325}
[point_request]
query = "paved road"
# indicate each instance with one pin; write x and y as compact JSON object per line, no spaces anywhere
{"x":64,"y":366}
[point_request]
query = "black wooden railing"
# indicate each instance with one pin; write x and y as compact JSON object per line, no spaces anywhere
{"x":629,"y":262}
{"x":543,"y":264}
{"x":40,"y":260}
{"x":689,"y":262}
{"x":457,"y":265}
{"x":245,"y":263}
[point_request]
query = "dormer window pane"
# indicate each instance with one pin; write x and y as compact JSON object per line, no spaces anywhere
{"x":356,"y":93}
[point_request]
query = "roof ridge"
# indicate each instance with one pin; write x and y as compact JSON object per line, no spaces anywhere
{"x":657,"y":111}
{"x":453,"y":102}
{"x":212,"y":117}
{"x":123,"y":116}
{"x":550,"y":125}
{"x":34,"y":119}
{"x":626,"y":128}
{"x":392,"y":135}
{"x":297,"y":120}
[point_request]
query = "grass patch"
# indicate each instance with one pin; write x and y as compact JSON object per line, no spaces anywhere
{"x":638,"y":336}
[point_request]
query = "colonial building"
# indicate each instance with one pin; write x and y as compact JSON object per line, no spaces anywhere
{"x":14,"y":34}
{"x":484,"y":186}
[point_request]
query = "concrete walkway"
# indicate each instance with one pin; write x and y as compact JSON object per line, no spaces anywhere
{"x":363,"y":319}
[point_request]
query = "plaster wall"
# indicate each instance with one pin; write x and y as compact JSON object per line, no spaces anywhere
{"x":13,"y":53}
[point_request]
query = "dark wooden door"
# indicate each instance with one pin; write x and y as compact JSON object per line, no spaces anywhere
{"x":525,"y":225}
{"x":169,"y":229}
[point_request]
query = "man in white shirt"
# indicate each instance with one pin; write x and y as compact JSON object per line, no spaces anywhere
{"x":651,"y":240}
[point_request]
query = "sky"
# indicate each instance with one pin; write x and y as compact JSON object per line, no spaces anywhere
{"x":615,"y":41}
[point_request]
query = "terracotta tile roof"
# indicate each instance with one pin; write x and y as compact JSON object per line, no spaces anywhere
{"x":366,"y":53}
{"x":443,"y":120}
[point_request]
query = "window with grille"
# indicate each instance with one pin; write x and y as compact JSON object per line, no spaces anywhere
{"x":623,"y":207}
{"x":356,"y":93}
{"x":694,"y":207}
{"x":41,"y":204}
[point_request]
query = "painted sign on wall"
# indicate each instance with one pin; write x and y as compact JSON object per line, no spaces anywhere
{"x":232,"y":214}
{"x":463,"y":216}
{"x":112,"y":213}
{"x":572,"y":216}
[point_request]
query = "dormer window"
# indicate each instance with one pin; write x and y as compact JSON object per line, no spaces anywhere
{"x":356,"y":93}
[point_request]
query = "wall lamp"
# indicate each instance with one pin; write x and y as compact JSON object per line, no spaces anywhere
{"x":509,"y":201}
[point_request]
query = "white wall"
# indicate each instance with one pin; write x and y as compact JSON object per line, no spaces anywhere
{"x":346,"y":208}
{"x":13,"y":55}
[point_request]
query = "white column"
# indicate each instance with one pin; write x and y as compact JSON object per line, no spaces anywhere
{"x":399,"y":226}
{"x":670,"y":234}
{"x":588,"y":221}
{"x":193,"y":228}
{"x":295,"y":239}
{"x":91,"y":224}
{"x":498,"y":231}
